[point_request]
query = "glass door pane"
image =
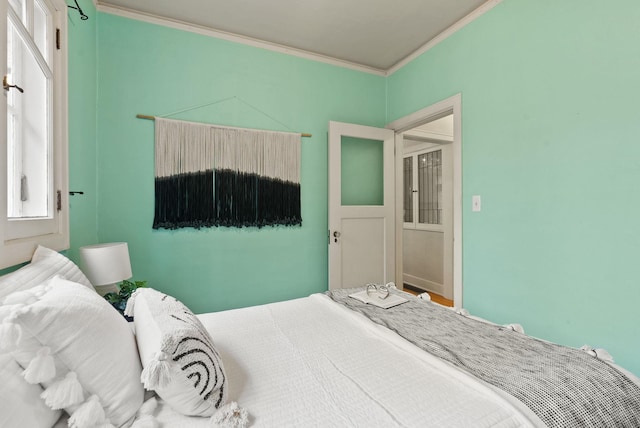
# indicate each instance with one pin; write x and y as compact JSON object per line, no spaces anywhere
{"x":408,"y":189}
{"x":430,"y":186}
{"x":362,"y":171}
{"x":42,"y":30}
{"x":28,"y":137}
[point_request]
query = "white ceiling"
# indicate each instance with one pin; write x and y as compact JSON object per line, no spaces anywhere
{"x":373,"y":33}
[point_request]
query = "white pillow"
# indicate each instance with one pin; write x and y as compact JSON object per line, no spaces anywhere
{"x":179,"y":359}
{"x":69,"y":335}
{"x":20,"y":402}
{"x":45,"y":264}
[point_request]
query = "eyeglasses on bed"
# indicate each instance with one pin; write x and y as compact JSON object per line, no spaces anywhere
{"x":381,"y":291}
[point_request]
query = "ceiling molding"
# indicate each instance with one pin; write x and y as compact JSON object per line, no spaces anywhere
{"x":232,"y":37}
{"x":206,"y":31}
{"x":477,"y":13}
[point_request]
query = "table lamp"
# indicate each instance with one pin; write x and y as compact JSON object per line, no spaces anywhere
{"x":105,"y":265}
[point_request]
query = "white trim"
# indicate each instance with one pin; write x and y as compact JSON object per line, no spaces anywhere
{"x":425,"y":146}
{"x":15,"y":251}
{"x":423,"y":284}
{"x":427,"y":114}
{"x":477,"y":13}
{"x":275,"y":47}
{"x":232,"y":37}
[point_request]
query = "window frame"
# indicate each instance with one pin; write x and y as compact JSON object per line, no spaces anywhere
{"x":414,"y":153}
{"x":15,"y":250}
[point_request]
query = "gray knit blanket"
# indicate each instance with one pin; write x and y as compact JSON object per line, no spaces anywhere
{"x":564,"y":387}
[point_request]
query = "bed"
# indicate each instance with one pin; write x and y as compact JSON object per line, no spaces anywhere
{"x":325,"y":360}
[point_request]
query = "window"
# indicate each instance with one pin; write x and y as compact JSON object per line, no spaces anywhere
{"x":33,"y":122}
{"x":423,"y":189}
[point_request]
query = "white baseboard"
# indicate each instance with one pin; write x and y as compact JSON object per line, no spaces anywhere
{"x":423,"y":284}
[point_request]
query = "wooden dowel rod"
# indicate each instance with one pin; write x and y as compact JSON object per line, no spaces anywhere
{"x":145,"y":116}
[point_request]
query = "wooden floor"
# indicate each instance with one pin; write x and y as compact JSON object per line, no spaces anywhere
{"x":434,"y":297}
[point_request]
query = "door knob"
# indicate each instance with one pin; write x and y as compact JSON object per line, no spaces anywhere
{"x":336,"y":235}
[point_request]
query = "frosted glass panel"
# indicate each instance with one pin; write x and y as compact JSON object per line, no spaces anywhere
{"x":362,"y":171}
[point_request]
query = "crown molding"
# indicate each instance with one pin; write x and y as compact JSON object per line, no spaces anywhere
{"x":232,"y":37}
{"x":477,"y":13}
{"x":274,"y":47}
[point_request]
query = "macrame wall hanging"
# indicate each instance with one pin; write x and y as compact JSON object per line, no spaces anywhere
{"x":210,"y":175}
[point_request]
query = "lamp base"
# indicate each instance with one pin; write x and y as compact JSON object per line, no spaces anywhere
{"x":108,"y":288}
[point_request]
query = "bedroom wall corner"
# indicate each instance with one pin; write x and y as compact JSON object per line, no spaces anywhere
{"x":82,"y":127}
{"x":154,"y":70}
{"x":550,"y":129}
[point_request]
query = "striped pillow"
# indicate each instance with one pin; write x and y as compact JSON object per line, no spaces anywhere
{"x":179,"y":360}
{"x":45,"y":264}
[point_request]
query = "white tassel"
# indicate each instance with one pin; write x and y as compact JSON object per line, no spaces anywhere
{"x":148,"y":407}
{"x":157,"y":373}
{"x":145,"y":417}
{"x":88,"y":415}
{"x":10,"y":333}
{"x":604,"y":355}
{"x":26,"y":297}
{"x":64,"y":393}
{"x":599,"y":353}
{"x":106,"y":424}
{"x":463,"y":312}
{"x":131,"y":303}
{"x":515,"y":327}
{"x":589,"y":350}
{"x":424,"y":296}
{"x":42,"y":368}
{"x":230,"y":416}
{"x":145,"y":421}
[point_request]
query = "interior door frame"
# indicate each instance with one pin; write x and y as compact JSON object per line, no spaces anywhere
{"x":433,"y":112}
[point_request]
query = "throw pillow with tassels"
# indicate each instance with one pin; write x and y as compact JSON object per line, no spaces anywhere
{"x":180,"y":362}
{"x":72,"y":342}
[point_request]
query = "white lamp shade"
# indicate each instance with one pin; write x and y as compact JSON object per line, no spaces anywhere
{"x":106,"y":263}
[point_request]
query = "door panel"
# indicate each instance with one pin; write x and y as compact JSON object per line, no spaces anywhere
{"x":363,"y":261}
{"x":361,"y":205}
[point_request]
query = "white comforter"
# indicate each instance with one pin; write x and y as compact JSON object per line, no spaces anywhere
{"x":312,"y":363}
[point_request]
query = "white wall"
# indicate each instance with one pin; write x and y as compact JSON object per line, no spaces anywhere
{"x":423,"y":261}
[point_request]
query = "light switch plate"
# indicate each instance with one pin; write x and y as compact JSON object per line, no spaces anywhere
{"x":476,"y":203}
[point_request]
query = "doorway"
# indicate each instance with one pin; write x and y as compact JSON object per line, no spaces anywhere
{"x":452,"y":213}
{"x":427,"y":222}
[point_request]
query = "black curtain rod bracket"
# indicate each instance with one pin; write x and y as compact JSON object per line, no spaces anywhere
{"x":79,"y":9}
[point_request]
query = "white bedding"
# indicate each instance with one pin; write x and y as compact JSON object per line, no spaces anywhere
{"x":312,"y":363}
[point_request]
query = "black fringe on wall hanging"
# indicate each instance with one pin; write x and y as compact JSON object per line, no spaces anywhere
{"x":184,"y":201}
{"x":255,"y":182}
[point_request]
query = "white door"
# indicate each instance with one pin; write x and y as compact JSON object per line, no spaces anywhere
{"x":361,"y":205}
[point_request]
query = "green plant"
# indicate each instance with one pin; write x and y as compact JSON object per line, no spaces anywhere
{"x":119,"y":300}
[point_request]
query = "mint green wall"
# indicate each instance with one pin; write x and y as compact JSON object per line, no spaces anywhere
{"x":149,"y":69}
{"x":82,"y":127}
{"x":361,"y":174}
{"x":550,"y":128}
